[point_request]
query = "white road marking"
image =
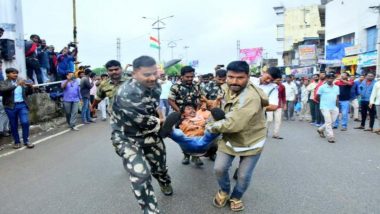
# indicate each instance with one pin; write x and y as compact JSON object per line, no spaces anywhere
{"x":39,"y":141}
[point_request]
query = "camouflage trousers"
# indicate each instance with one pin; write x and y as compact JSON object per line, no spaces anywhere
{"x":136,"y":161}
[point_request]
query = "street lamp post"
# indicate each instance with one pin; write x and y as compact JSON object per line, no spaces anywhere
{"x":157,"y":22}
{"x":75,"y":31}
{"x":172,"y":44}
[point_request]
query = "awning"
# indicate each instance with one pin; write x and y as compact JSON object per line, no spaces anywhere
{"x":350,"y":60}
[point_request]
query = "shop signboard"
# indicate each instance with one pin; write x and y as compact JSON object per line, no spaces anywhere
{"x":307,"y":52}
{"x":352,"y":50}
{"x":350,"y":60}
{"x":367,"y":59}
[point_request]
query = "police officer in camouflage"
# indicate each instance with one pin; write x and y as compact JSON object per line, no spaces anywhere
{"x":213,"y":89}
{"x":136,"y":120}
{"x":186,"y":92}
{"x":109,"y":87}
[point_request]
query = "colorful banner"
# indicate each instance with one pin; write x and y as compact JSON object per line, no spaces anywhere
{"x":367,"y":59}
{"x":251,"y":55}
{"x":307,"y":52}
{"x":350,"y":60}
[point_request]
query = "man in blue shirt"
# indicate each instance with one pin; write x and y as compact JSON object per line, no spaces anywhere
{"x":14,"y":92}
{"x":365,"y":90}
{"x":328,"y":97}
{"x":354,"y":102}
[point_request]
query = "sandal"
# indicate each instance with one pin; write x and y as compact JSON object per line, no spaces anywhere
{"x":236,"y":205}
{"x":321,"y":133}
{"x":220,"y":199}
{"x":17,"y":146}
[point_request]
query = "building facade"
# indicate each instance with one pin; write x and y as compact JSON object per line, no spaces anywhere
{"x":351,"y":35}
{"x":300,"y":34}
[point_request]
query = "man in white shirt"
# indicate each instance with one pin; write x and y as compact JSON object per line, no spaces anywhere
{"x":165,"y":87}
{"x":375,"y":100}
{"x":291,"y":91}
{"x":266,"y":82}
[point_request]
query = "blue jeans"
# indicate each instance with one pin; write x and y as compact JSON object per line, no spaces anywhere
{"x":222,"y":165}
{"x":20,"y":111}
{"x":344,"y":108}
{"x":86,"y":110}
{"x":193,"y":145}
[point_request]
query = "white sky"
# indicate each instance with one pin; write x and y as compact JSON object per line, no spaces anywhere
{"x":209,"y":27}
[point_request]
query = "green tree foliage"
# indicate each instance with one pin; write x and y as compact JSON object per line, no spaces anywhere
{"x":99,"y":71}
{"x":174,"y":70}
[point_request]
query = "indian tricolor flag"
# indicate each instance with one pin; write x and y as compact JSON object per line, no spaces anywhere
{"x":154,"y":43}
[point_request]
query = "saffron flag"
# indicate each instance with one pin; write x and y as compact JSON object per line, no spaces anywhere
{"x":251,"y":55}
{"x":154,"y":43}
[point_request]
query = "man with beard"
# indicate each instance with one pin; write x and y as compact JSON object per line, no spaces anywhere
{"x":183,"y":93}
{"x":109,"y":87}
{"x":244,"y":134}
{"x":327,"y":96}
{"x":136,"y":120}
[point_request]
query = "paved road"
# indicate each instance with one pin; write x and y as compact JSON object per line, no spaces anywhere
{"x":78,"y":172}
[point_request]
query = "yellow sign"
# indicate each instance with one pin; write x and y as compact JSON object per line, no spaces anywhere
{"x":351,"y":60}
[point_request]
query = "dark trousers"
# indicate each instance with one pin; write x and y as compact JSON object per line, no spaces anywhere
{"x":289,"y":110}
{"x":372,"y":113}
{"x":33,"y":66}
{"x":318,"y":115}
{"x":19,"y":112}
{"x":312,"y":111}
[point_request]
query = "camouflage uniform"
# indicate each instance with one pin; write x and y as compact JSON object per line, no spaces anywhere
{"x":212,"y":91}
{"x":183,"y":94}
{"x":135,"y":125}
{"x":108,"y":89}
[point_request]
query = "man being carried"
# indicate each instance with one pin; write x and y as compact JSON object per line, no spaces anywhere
{"x":191,"y":135}
{"x":183,"y":93}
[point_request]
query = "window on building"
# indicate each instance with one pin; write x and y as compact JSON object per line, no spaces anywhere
{"x":371,"y":38}
{"x":349,"y":38}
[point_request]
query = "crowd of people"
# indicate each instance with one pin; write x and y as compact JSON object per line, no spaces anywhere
{"x":327,"y":100}
{"x":44,"y":64}
{"x":222,"y":116}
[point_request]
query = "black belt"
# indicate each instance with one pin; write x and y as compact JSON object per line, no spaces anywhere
{"x":19,"y":102}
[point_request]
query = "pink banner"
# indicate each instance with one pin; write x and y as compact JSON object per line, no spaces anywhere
{"x":251,"y":55}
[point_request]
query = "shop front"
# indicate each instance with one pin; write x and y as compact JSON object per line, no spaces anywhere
{"x":350,"y":64}
{"x":367,"y":62}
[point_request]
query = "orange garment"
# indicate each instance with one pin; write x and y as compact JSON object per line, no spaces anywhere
{"x":195,"y":126}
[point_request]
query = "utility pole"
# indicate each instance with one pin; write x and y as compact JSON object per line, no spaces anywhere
{"x":238,"y":49}
{"x":118,"y":49}
{"x":158,"y":28}
{"x":377,"y":10}
{"x":75,"y":31}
